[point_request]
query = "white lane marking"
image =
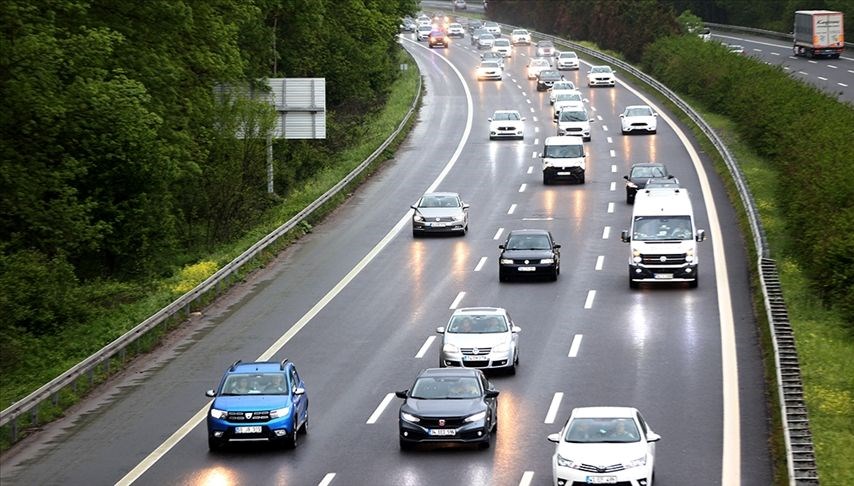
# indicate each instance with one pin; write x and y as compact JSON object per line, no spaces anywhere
{"x":327,"y":479}
{"x":613,"y":186}
{"x":555,"y":405}
{"x":498,"y":233}
{"x":775,"y":53}
{"x":380,"y":408}
{"x":801,"y":72}
{"x":533,"y":111}
{"x":588,"y":304}
{"x":812,"y":62}
{"x":757,"y":50}
{"x":523,"y":187}
{"x":831,"y":66}
{"x":613,"y":153}
{"x":527,"y":477}
{"x":606,"y":232}
{"x":822,"y":78}
{"x":536,"y":129}
{"x":576,"y":343}
{"x":533,"y":117}
{"x":610,"y":207}
{"x":600,"y":262}
{"x":536,"y":142}
{"x":731,"y":454}
{"x":512,"y":209}
{"x":480,"y":264}
{"x":425,"y":347}
{"x":531,"y":169}
{"x":787,"y":68}
{"x":851,"y":71}
{"x":605,"y":127}
{"x":199,"y":416}
{"x":593,"y":108}
{"x":457,"y":300}
{"x":537,"y":219}
{"x":528,"y":100}
{"x":614,"y":169}
{"x":609,"y":139}
{"x":599,"y":117}
{"x":843,"y":85}
{"x":533,"y":155}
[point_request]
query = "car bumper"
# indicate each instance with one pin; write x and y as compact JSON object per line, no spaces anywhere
{"x":585,"y":133}
{"x":647,"y":128}
{"x":516,"y":270}
{"x":468,"y":433}
{"x":489,"y":76}
{"x":566,"y":173}
{"x":493,"y":361}
{"x":565,"y":476}
{"x":566,"y":65}
{"x":273,"y":430}
{"x":507,"y":134}
{"x":663,"y":273}
{"x":602,"y":82}
{"x":522,"y":41}
{"x":438,"y":227}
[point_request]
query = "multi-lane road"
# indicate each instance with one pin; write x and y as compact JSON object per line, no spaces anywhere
{"x":355,"y":305}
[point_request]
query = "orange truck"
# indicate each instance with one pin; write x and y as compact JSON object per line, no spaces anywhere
{"x":818,"y":33}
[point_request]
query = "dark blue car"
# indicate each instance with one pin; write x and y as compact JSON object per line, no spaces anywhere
{"x":261,"y":401}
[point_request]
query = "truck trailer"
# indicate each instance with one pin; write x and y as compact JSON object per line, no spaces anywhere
{"x":818,"y":33}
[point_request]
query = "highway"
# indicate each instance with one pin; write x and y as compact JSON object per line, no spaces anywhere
{"x":355,"y":304}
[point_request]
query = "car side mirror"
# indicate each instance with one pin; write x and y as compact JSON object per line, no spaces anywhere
{"x":413,"y":207}
{"x":523,"y":118}
{"x":540,"y":155}
{"x":653,"y":437}
{"x":701,"y":235}
{"x":440,"y":330}
{"x":556,"y":247}
{"x":625,"y":236}
{"x":622,"y":115}
{"x":626,"y":177}
{"x":210,"y":393}
{"x":592,"y":120}
{"x":491,"y":393}
{"x":465,"y":206}
{"x":554,"y":438}
{"x":489,"y":119}
{"x":516,"y":329}
{"x":401,"y":394}
{"x":655,"y":114}
{"x":501,"y":247}
{"x":299,"y":391}
{"x":671,"y":176}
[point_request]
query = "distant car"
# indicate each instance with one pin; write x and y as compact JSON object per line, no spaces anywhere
{"x":503,"y":47}
{"x":547,"y":78}
{"x":456,"y":30}
{"x":407,"y":25}
{"x":564,"y":99}
{"x":574,"y":120}
{"x":480,"y":337}
{"x":440,"y":212}
{"x":506,"y":124}
{"x":520,"y":36}
{"x":489,"y":70}
{"x":559,"y":86}
{"x":529,"y":252}
{"x":460,"y":5}
{"x":493,"y":28}
{"x":448,"y":405}
{"x":736,"y":48}
{"x":567,"y":60}
{"x":601,"y":76}
{"x":437,"y":38}
{"x":258,"y":401}
{"x":493,"y":56}
{"x":545,"y":48}
{"x":424,"y":31}
{"x":638,"y":118}
{"x":604,"y":445}
{"x":640,"y":174}
{"x":485,"y":41}
{"x":705,"y":34}
{"x":476,"y":33}
{"x":536,"y":65}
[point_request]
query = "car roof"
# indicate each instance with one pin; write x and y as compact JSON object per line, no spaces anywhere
{"x":441,"y":194}
{"x":604,"y":412}
{"x":648,"y":164}
{"x":258,"y":366}
{"x":563,"y":140}
{"x":505,"y":111}
{"x":530,"y":231}
{"x":480,"y":310}
{"x":572,"y":104}
{"x":450,"y":372}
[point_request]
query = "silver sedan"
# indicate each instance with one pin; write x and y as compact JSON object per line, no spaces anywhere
{"x":440,"y":212}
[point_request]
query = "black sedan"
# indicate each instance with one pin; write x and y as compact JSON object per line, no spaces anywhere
{"x":529,"y":252}
{"x":547,"y":78}
{"x":638,"y":176}
{"x":448,"y":405}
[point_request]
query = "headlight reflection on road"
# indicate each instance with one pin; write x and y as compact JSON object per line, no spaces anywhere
{"x":507,"y":441}
{"x":460,"y":260}
{"x":416,"y":264}
{"x":217,"y":476}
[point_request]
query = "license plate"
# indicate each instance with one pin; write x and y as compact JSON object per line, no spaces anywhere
{"x":601,"y":479}
{"x":443,"y":432}
{"x":254,"y":429}
{"x":663,"y":276}
{"x":476,"y":358}
{"x":527,"y":269}
{"x":564,"y":173}
{"x":438,"y":225}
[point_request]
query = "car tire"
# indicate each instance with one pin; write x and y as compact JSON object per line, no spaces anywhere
{"x":293,"y":441}
{"x":304,"y":428}
{"x":512,"y":370}
{"x":214,"y":445}
{"x":633,"y":284}
{"x":630,"y":198}
{"x":546,"y":180}
{"x":654,"y":132}
{"x":553,"y":276}
{"x":588,"y":138}
{"x":581,"y":179}
{"x":624,"y":132}
{"x":485,"y":443}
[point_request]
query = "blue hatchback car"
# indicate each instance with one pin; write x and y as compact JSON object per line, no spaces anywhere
{"x":261,"y":401}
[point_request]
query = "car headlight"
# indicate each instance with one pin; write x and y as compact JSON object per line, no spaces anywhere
{"x":450,"y":349}
{"x":640,"y":461}
{"x":280,"y":412}
{"x":547,"y":261}
{"x":218,"y":414}
{"x":417,"y":217}
{"x":636,"y":255}
{"x":409,"y":417}
{"x":506,"y":261}
{"x":565,"y":462}
{"x":476,"y":417}
{"x":689,"y":256}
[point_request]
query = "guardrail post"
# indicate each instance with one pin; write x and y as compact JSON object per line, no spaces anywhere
{"x":14,"y":430}
{"x":55,"y":398}
{"x":34,"y":416}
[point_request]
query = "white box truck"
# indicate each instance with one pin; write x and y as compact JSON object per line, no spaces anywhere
{"x":818,"y":33}
{"x":663,"y":238}
{"x":563,"y":159}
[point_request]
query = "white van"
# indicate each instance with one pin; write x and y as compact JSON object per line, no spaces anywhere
{"x":563,"y":158}
{"x":663,"y":238}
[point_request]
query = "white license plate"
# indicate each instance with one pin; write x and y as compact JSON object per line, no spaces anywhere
{"x":443,"y":432}
{"x":663,"y":276}
{"x":601,"y":479}
{"x":564,"y":173}
{"x":254,"y":429}
{"x":438,"y":225}
{"x":527,"y":269}
{"x":476,"y":358}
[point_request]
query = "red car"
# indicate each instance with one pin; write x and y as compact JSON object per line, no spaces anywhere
{"x":437,"y":38}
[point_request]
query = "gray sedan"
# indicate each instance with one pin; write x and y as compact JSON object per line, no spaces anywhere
{"x":440,"y":212}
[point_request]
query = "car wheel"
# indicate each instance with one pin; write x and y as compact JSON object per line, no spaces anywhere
{"x":633,"y":284}
{"x":484,"y":444}
{"x":406,"y":445}
{"x":624,"y":132}
{"x":654,"y":132}
{"x":553,"y":276}
{"x":214,"y":445}
{"x":546,"y":180}
{"x":304,"y":428}
{"x":293,"y":440}
{"x":588,"y":139}
{"x":512,"y":369}
{"x":630,"y":198}
{"x":581,"y":179}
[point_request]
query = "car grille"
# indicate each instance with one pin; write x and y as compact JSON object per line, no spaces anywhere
{"x":571,"y":129}
{"x":639,"y":124}
{"x":606,"y":469}
{"x":669,"y":259}
{"x":506,"y":129}
{"x":475,"y":351}
{"x":443,"y":219}
{"x":253,"y":416}
{"x":602,"y":80}
{"x":433,"y":422}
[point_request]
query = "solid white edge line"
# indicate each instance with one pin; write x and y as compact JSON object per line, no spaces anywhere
{"x":591,"y":295}
{"x":527,"y":478}
{"x":457,"y":300}
{"x":327,"y":479}
{"x":425,"y":347}
{"x":197,"y":418}
{"x":498,"y":233}
{"x":606,"y":232}
{"x":553,"y":408}
{"x":576,"y":343}
{"x":480,"y":264}
{"x":731,"y":453}
{"x":600,"y":262}
{"x":380,"y":409}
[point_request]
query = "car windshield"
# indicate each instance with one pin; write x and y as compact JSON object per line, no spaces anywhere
{"x":540,"y":63}
{"x":528,"y":242}
{"x":545,"y":44}
{"x":648,"y":172}
{"x":639,"y":111}
{"x":255,"y":384}
{"x":486,"y":37}
{"x":520,"y":32}
{"x":489,"y":64}
{"x":445,"y":387}
{"x":568,"y":97}
{"x":506,"y":115}
{"x":600,"y":69}
{"x":549,"y":75}
{"x":563,"y":151}
{"x":473,"y":324}
{"x":573,"y":116}
{"x":439,"y":202}
{"x":602,"y":430}
{"x":569,"y":54}
{"x":559,"y":85}
{"x":502,"y":42}
{"x":660,"y":228}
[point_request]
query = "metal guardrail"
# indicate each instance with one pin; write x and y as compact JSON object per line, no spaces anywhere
{"x":760,"y":32}
{"x":216,"y":282}
{"x":800,"y":450}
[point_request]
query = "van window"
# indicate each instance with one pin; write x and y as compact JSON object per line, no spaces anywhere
{"x":564,"y":151}
{"x":656,"y":228}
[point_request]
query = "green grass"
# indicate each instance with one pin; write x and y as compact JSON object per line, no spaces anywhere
{"x":47,"y":357}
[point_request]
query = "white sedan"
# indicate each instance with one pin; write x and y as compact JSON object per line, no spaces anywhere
{"x":558,"y":87}
{"x":506,"y":124}
{"x":520,"y":36}
{"x":489,"y":70}
{"x":638,"y":118}
{"x":604,"y":445}
{"x":601,"y":76}
{"x":502,"y":46}
{"x":567,"y":60}
{"x":536,"y":65}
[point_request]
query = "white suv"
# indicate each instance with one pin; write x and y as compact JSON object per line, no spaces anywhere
{"x":480,"y":337}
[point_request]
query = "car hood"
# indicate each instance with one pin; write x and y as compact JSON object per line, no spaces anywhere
{"x":505,"y":123}
{"x":485,"y":340}
{"x":443,"y":408}
{"x":527,"y":254}
{"x":602,"y":455}
{"x":639,"y":119}
{"x":440,"y":212}
{"x":252,"y":403}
